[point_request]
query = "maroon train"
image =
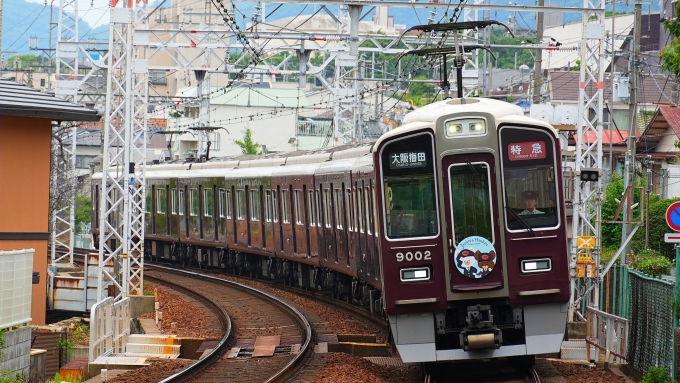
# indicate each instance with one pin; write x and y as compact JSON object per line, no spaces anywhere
{"x":452,"y":225}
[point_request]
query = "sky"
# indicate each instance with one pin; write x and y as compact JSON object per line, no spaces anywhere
{"x":93,"y":12}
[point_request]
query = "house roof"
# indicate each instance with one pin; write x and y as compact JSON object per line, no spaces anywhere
{"x":20,"y":100}
{"x":564,"y":86}
{"x":658,"y":127}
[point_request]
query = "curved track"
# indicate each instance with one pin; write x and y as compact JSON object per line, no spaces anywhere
{"x":263,"y":314}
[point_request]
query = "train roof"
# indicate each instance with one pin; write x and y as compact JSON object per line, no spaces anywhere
{"x":335,"y":166}
{"x":292,"y":170}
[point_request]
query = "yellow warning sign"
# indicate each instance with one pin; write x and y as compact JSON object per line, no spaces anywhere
{"x":585,"y":242}
{"x":584,"y":257}
{"x":580,"y":270}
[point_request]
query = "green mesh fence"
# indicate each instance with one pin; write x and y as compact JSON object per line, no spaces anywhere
{"x":650,"y":342}
{"x":647,"y":303}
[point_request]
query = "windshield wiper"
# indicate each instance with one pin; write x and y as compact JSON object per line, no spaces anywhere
{"x":521,"y":221}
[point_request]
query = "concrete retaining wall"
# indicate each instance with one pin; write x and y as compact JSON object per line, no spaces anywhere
{"x":16,"y":356}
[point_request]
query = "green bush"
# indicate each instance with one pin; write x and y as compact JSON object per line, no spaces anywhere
{"x":607,"y":255}
{"x":651,"y":262}
{"x":10,"y":377}
{"x":656,"y":375}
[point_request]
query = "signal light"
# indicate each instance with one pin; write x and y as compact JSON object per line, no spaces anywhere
{"x":590,"y":175}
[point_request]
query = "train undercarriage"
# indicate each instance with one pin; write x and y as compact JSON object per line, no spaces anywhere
{"x":296,"y":274}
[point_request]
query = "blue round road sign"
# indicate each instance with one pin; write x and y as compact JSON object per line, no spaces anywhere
{"x":673,"y":216}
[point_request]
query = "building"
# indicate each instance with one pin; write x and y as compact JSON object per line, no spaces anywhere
{"x":26,"y":117}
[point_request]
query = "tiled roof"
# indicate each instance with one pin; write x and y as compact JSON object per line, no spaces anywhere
{"x":20,"y":100}
{"x":564,"y":86}
{"x":664,"y":118}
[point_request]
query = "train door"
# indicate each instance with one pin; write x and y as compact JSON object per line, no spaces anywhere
{"x":150,"y":211}
{"x":360,"y":231}
{"x":352,"y":240}
{"x":373,"y":253}
{"x":183,"y":219}
{"x":475,"y":256}
{"x":329,"y":224}
{"x":301,"y":234}
{"x":269,"y":233}
{"x":313,"y":237}
{"x":288,"y":237}
{"x":255,"y":210}
{"x":241,"y":225}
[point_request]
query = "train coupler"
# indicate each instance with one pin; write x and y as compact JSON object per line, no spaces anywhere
{"x":480,"y":332}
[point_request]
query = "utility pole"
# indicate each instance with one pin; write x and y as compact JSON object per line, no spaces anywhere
{"x":633,"y":69}
{"x":538,"y":70}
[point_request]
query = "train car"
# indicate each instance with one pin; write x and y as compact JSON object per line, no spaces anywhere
{"x":473,"y":233}
{"x":452,"y":225}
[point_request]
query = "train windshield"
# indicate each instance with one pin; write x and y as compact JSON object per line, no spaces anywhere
{"x":471,"y":200}
{"x":410,"y":191}
{"x":529,"y":177}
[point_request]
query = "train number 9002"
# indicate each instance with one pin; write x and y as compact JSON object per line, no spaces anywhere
{"x":417,"y":256}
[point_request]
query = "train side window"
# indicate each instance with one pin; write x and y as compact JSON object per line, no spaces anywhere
{"x":148,"y":200}
{"x":409,"y":188}
{"x":367,"y":197}
{"x":160,"y":201}
{"x":298,"y":208}
{"x":284,"y":206}
{"x":338,"y":208}
{"x":268,"y":208}
{"x":275,"y":208}
{"x":317,"y":198}
{"x":255,"y":204}
{"x":223,"y":205}
{"x":529,"y":178}
{"x":240,"y":204}
{"x":227,"y":203}
{"x":312,"y":210}
{"x":181,"y":202}
{"x":470,"y":191}
{"x":193,"y":208}
{"x":327,"y":207}
{"x":173,"y":200}
{"x":350,"y":210}
{"x":208,"y":202}
{"x":360,"y":207}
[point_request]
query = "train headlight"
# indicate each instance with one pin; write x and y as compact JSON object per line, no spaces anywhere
{"x":415,"y":274}
{"x":536,"y":265}
{"x":478,"y":127}
{"x":452,"y":129}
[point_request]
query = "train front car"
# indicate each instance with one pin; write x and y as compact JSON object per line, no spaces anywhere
{"x":473,"y":233}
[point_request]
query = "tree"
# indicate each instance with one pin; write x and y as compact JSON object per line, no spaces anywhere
{"x":670,"y":54}
{"x":247,"y":145}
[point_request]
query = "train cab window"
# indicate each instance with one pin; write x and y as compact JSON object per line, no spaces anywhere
{"x":338,"y":208}
{"x":193,"y":208}
{"x":268,"y":206}
{"x":240,"y":205}
{"x":173,"y":200}
{"x":409,"y":199}
{"x":529,"y":178}
{"x":471,"y":200}
{"x":298,"y":208}
{"x":208,"y":202}
{"x":284,"y":206}
{"x":312,"y":210}
{"x":181,"y":202}
{"x":160,"y":201}
{"x":222,"y":202}
{"x":255,"y":205}
{"x":148,"y":200}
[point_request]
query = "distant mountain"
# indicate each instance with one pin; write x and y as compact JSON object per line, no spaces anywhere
{"x":22,"y":19}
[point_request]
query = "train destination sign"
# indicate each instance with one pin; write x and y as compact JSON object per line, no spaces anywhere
{"x":522,"y":151}
{"x":405,"y":160}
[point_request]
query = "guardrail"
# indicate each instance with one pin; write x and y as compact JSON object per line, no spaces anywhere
{"x":109,"y":327}
{"x":607,"y":332}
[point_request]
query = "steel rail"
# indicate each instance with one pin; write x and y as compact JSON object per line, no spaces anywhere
{"x":306,"y":349}
{"x":196,"y":369}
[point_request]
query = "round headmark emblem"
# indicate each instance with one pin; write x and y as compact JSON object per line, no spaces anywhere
{"x":475,"y":257}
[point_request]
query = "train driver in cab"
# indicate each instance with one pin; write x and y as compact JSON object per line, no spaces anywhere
{"x":397,"y":223}
{"x":529,"y":199}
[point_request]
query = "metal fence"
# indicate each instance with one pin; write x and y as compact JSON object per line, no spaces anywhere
{"x":651,"y":322}
{"x":109,"y":327}
{"x":647,"y":302}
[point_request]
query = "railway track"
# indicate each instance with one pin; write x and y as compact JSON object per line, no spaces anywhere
{"x":265,"y":315}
